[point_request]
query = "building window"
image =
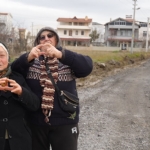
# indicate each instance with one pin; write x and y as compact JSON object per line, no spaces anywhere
{"x":144,"y":33}
{"x":113,"y":32}
{"x":70,"y":32}
{"x":82,"y":32}
{"x":121,"y":32}
{"x":81,"y":24}
{"x":69,"y":42}
{"x":122,"y":23}
{"x":143,"y":24}
{"x":76,"y":32}
{"x":119,"y":22}
{"x":65,"y":32}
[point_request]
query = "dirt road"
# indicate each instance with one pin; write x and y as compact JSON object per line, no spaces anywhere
{"x":115,"y":113}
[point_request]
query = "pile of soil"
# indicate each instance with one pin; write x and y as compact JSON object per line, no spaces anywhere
{"x":101,"y":70}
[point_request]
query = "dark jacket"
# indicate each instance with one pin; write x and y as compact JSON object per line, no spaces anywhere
{"x":72,"y":66}
{"x":13,"y":110}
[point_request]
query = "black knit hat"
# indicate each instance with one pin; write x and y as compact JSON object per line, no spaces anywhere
{"x":36,"y":42}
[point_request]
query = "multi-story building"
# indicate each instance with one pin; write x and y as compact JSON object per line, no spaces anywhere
{"x":143,"y":31}
{"x":100,"y":29}
{"x":74,"y":31}
{"x":6,"y":23}
{"x":119,"y":33}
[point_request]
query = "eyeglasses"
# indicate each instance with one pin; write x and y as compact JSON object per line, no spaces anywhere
{"x":50,"y":35}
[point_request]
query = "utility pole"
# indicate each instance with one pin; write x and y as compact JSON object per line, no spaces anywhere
{"x":147,"y":36}
{"x":133,"y":26}
{"x":32,"y":34}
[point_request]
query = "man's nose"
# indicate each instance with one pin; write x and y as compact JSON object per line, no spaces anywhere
{"x":46,"y":37}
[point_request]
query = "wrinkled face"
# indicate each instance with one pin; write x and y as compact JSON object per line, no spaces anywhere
{"x":3,"y":59}
{"x":48,"y":37}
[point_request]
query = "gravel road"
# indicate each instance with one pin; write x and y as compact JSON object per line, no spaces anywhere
{"x":115,"y":113}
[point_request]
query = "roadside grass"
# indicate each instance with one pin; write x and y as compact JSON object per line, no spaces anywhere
{"x":105,"y":56}
{"x":101,"y":56}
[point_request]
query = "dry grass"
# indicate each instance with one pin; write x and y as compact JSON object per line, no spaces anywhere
{"x":101,"y":56}
{"x":105,"y":56}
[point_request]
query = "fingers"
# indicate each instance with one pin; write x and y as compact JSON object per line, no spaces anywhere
{"x":17,"y":90}
{"x":35,"y":53}
{"x":46,"y":49}
{"x":3,"y":82}
{"x":39,"y":46}
{"x":12,"y":86}
{"x":53,"y":52}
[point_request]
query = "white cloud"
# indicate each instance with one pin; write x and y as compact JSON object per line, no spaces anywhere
{"x":46,"y":12}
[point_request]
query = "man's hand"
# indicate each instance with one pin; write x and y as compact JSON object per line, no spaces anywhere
{"x":35,"y":52}
{"x":51,"y":51}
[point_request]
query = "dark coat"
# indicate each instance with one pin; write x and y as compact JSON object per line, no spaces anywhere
{"x":71,"y":66}
{"x":13,"y":109}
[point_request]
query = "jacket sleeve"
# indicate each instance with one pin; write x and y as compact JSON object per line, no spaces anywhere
{"x":21,"y":65}
{"x":28,"y":99}
{"x":80,"y":64}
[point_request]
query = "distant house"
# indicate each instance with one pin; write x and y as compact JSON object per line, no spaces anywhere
{"x":6,"y":22}
{"x":6,"y":26}
{"x":100,"y":28}
{"x":143,"y":31}
{"x":74,"y":31}
{"x":119,"y":33}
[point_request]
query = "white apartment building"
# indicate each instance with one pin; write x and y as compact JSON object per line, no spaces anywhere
{"x":143,"y":31}
{"x":6,"y":23}
{"x":74,"y":31}
{"x":100,"y":28}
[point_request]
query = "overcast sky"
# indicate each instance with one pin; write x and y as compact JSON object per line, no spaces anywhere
{"x":46,"y":12}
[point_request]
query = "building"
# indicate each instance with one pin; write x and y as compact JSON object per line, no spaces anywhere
{"x":74,"y":31}
{"x":119,"y":33}
{"x":6,"y":22}
{"x":100,"y":29}
{"x":143,"y":31}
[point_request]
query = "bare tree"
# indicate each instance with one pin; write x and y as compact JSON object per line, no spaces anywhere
{"x":94,"y":35}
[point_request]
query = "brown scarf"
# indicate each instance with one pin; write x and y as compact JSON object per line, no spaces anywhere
{"x":49,"y":90}
{"x":6,"y":72}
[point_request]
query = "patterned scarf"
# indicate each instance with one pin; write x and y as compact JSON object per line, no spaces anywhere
{"x":48,"y":89}
{"x":6,"y":72}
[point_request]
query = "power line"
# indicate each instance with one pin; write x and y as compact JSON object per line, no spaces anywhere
{"x":147,"y":35}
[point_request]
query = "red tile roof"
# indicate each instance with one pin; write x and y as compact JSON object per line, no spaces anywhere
{"x":5,"y":14}
{"x":75,"y":19}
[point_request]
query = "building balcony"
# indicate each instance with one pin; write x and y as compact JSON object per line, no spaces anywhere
{"x":119,"y":38}
{"x":73,"y":27}
{"x":121,"y":27}
{"x":2,"y":22}
{"x":75,"y":38}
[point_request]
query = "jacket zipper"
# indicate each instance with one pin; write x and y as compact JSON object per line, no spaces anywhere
{"x":76,"y":102}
